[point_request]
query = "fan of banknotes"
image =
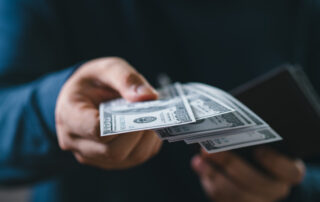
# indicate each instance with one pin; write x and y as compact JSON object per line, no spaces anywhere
{"x":193,"y":113}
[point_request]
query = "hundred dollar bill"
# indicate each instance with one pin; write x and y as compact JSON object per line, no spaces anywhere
{"x":204,"y":105}
{"x":171,"y":109}
{"x":245,"y":139}
{"x":197,"y":139}
{"x":226,"y":98}
{"x":202,"y":127}
{"x":251,"y":119}
{"x":230,"y":101}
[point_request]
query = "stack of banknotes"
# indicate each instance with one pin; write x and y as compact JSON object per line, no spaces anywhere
{"x":193,"y":113}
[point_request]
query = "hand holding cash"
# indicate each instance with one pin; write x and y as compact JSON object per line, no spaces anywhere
{"x":194,"y":113}
{"x":77,"y":115}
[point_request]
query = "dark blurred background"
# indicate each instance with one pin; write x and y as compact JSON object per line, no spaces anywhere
{"x":20,"y":194}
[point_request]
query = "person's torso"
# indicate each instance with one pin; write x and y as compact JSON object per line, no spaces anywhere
{"x":222,"y":43}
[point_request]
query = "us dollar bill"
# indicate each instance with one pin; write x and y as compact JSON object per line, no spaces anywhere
{"x":211,"y":117}
{"x":252,"y":121}
{"x":239,"y":140}
{"x":204,"y":105}
{"x":227,"y":98}
{"x":171,"y":109}
{"x":203,"y":127}
{"x":257,"y":133}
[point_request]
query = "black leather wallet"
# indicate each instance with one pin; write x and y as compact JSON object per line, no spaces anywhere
{"x":286,"y":100}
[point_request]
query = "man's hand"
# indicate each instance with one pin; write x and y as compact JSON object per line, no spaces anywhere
{"x":77,"y":115}
{"x":226,"y":177}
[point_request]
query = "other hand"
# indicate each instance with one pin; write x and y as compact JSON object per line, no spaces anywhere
{"x":227,"y":177}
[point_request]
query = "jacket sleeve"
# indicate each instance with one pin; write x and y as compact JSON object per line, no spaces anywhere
{"x":29,"y":49}
{"x":28,"y":144}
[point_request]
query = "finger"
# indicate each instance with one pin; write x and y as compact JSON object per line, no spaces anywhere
{"x":80,"y":118}
{"x":107,"y":139}
{"x":202,"y":168}
{"x":121,"y":147}
{"x":89,"y":161}
{"x":87,"y":148}
{"x":94,"y":162}
{"x":69,"y":142}
{"x":99,"y":163}
{"x":85,"y":123}
{"x":81,"y":159}
{"x":217,"y":186}
{"x":288,"y":170}
{"x":122,"y":77}
{"x":247,"y":177}
{"x":95,"y":94}
{"x":221,"y":189}
{"x":144,"y":149}
{"x":141,"y":152}
{"x":157,"y":147}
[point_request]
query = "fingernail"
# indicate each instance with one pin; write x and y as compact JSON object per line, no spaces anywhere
{"x":145,"y":90}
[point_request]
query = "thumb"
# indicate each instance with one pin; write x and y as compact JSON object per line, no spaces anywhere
{"x":122,"y":77}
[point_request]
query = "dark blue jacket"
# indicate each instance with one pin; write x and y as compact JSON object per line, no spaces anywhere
{"x":223,"y":43}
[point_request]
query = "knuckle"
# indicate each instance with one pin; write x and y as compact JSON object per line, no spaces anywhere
{"x":58,"y":118}
{"x":106,"y":152}
{"x":63,"y":144}
{"x":300,"y":171}
{"x":80,"y":159}
{"x":93,"y":128}
{"x":113,"y":62}
{"x":83,"y":161}
{"x":94,"y":131}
